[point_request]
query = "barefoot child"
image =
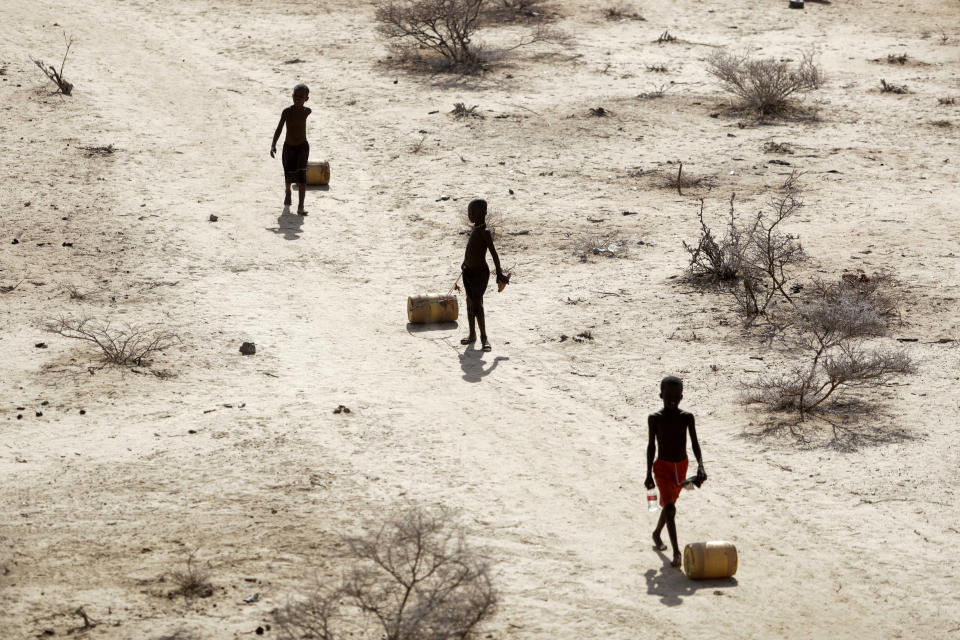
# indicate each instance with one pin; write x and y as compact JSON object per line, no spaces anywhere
{"x":296,"y":150}
{"x":476,"y":273}
{"x":668,"y":438}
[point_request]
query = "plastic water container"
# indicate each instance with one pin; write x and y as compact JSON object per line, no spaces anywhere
{"x":652,"y":502}
{"x":432,"y":308}
{"x":710,"y":560}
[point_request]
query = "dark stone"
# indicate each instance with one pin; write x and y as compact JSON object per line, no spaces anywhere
{"x":248,"y":348}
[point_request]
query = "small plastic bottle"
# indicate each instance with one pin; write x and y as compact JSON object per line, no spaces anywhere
{"x":652,"y":502}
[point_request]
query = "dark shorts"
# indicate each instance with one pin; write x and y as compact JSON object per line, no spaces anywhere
{"x":475,"y":281}
{"x":295,"y":162}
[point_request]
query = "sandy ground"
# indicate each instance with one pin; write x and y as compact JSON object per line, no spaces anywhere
{"x":541,"y":442}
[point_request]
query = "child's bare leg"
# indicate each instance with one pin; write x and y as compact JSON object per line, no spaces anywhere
{"x":471,"y":318}
{"x":481,"y":321}
{"x":671,"y":512}
{"x":657,"y":540}
{"x":288,"y":200}
{"x":301,"y":193}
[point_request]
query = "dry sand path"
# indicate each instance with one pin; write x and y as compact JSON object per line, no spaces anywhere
{"x":540,"y":443}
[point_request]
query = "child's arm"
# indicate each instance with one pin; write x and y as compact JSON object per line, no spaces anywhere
{"x":493,"y":254}
{"x":651,"y":451}
{"x":276,"y":134}
{"x":695,"y":445}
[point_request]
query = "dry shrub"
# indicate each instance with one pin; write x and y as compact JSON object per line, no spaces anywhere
{"x":892,"y":58}
{"x":416,"y":578}
{"x":765,"y":85}
{"x":128,"y":345}
{"x":446,"y":29}
{"x":717,"y":259}
{"x":888,"y":87}
{"x":460,"y":110}
{"x":947,"y":101}
{"x":621,"y":12}
{"x":831,"y":327}
{"x":753,"y":259}
{"x":192,"y":582}
{"x":56,"y":75}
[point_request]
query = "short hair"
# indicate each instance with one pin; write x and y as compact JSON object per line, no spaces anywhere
{"x":302,"y":87}
{"x":478,"y":206}
{"x":671,"y":383}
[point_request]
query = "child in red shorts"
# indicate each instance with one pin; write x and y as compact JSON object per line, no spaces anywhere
{"x":668,"y":437}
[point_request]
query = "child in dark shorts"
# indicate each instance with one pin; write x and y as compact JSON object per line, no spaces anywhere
{"x":296,"y":149}
{"x":476,"y":273}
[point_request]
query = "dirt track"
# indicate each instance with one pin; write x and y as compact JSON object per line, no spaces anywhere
{"x":540,"y":443}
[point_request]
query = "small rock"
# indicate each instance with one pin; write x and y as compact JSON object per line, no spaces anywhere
{"x":248,"y":348}
{"x":341,"y":409}
{"x":83,"y":412}
{"x":213,"y":218}
{"x":19,"y":416}
{"x":27,"y":203}
{"x":251,"y":599}
{"x":259,"y":631}
{"x":44,"y":403}
{"x":39,"y":414}
{"x":510,"y":191}
{"x":443,"y":198}
{"x":41,"y":345}
{"x":15,"y":241}
{"x":191,"y":431}
{"x":67,"y":244}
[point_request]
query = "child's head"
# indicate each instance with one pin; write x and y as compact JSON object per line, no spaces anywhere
{"x":477,"y":211}
{"x":301,"y":93}
{"x":671,"y":390}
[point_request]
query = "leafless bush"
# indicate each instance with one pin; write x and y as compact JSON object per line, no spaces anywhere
{"x":74,"y":292}
{"x":55,"y":75}
{"x":656,"y":92}
{"x":753,"y":258}
{"x":622,"y":12}
{"x":681,"y":181}
{"x":666,"y":36}
{"x":765,"y":85}
{"x":498,"y":10}
{"x":657,"y":68}
{"x":718,"y":259}
{"x":192,"y":582}
{"x":887,"y":87}
{"x":416,"y":578}
{"x":123,"y":345}
{"x":893,"y":58}
{"x":950,"y":100}
{"x":447,"y":29}
{"x":460,"y":110}
{"x":831,"y":328}
{"x":599,"y":112}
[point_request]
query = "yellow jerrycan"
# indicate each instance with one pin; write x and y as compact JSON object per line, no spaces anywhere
{"x":432,"y":308}
{"x":709,"y":560}
{"x":318,"y":172}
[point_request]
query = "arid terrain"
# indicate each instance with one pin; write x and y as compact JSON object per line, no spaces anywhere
{"x":113,"y":476}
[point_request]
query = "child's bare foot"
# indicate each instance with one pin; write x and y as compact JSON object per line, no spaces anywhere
{"x":676,"y":560}
{"x":658,"y":543}
{"x":468,"y":340}
{"x":287,"y":200}
{"x":486,"y":345}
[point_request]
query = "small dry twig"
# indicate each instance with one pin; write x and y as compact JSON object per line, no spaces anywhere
{"x":53,"y":74}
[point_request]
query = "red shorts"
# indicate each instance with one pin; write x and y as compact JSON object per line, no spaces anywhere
{"x":669,"y":476}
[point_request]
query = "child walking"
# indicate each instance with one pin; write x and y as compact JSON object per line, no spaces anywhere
{"x":668,"y":440}
{"x":476,"y":273}
{"x":296,"y":149}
